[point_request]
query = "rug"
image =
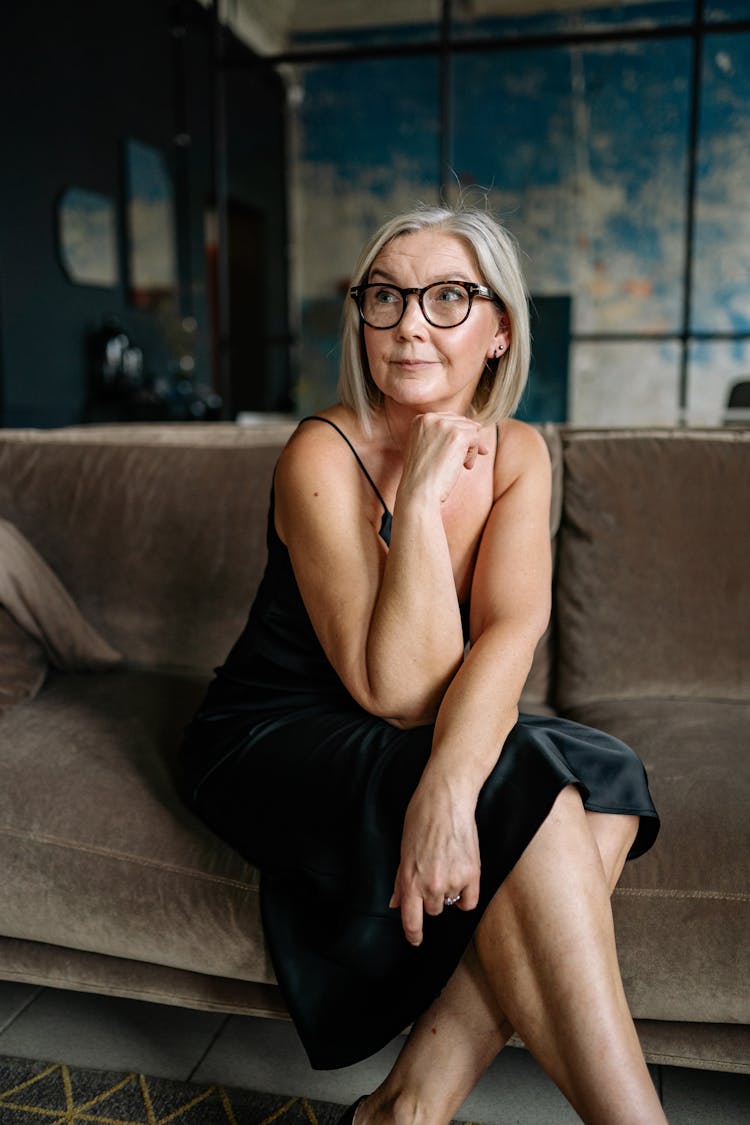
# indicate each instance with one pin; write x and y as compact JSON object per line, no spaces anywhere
{"x":32,"y":1093}
{"x":44,"y":1093}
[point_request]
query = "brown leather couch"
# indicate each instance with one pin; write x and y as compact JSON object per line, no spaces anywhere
{"x":108,"y":884}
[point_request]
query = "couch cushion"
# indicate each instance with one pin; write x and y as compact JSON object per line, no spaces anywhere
{"x":159,"y":537}
{"x":98,"y":851}
{"x":653,"y":587}
{"x":682,"y":911}
{"x":53,"y":966}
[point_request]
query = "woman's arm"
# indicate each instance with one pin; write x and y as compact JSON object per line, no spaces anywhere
{"x":509,"y":611}
{"x":510,"y":607}
{"x":389,"y":622}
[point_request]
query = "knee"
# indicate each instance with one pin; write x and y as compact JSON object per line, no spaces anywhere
{"x":568,"y":805}
{"x":613,"y":834}
{"x":565,"y":825}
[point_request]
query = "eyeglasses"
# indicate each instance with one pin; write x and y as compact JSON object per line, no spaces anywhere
{"x":444,"y":304}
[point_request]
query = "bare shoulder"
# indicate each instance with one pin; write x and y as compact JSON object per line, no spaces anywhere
{"x":314,"y":444}
{"x":522,"y":454}
{"x":316,"y":469}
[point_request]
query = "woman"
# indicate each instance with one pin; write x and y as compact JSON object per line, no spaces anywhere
{"x":428,"y":856}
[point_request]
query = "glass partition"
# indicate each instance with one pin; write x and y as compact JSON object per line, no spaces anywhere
{"x":620,"y":165}
{"x":721,"y":272}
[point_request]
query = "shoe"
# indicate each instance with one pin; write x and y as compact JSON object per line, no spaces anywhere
{"x":348,"y":1118}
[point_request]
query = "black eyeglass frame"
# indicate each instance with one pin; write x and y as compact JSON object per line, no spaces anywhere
{"x":473,"y":289}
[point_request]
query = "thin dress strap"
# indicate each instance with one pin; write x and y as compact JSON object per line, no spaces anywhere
{"x":385,"y":523}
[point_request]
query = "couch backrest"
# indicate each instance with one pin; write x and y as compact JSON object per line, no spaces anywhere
{"x":653,"y":580}
{"x":158,"y":533}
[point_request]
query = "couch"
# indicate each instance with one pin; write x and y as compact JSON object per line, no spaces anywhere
{"x":132,"y":554}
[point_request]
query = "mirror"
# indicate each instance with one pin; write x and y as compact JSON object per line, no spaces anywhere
{"x":87,"y":237}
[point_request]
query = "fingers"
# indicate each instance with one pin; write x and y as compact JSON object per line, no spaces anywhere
{"x":412,"y":919}
{"x":411,"y":914}
{"x":476,"y":449}
{"x":469,"y":895}
{"x":465,"y":430}
{"x":440,"y":863}
{"x":456,"y":424}
{"x":441,"y":448}
{"x":415,"y":905}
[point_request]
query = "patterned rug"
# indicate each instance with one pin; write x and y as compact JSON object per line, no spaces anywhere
{"x":41,"y":1093}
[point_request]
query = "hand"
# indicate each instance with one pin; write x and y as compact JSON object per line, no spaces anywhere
{"x":439,"y":857}
{"x":440,"y":446}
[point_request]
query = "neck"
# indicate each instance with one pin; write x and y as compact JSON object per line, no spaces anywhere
{"x":398,"y":422}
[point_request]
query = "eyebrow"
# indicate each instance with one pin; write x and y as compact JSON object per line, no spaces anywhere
{"x":443,"y":277}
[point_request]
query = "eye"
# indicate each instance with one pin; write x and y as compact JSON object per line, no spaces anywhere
{"x":446,"y":294}
{"x":384,"y":295}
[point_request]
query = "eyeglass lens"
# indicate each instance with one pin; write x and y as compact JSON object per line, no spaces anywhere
{"x":444,"y":304}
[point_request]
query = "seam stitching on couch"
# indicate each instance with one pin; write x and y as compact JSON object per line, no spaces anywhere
{"x":728,"y":896}
{"x":125,"y":857}
{"x":650,"y":433}
{"x":155,"y":994}
{"x":668,"y":697}
{"x":725,"y":1065}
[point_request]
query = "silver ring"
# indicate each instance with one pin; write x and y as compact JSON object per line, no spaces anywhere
{"x":451,"y":900}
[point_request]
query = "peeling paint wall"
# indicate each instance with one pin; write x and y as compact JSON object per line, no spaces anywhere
{"x":583,"y":152}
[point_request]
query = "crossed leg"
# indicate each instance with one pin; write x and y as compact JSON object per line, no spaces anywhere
{"x":543,"y":962}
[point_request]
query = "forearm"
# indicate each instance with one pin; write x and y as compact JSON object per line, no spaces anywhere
{"x":415,"y":643}
{"x":480,"y":709}
{"x":439,"y":847}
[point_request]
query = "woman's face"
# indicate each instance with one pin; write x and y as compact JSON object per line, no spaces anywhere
{"x":416,"y":364}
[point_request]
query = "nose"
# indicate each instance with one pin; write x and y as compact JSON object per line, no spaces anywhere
{"x":413,"y":320}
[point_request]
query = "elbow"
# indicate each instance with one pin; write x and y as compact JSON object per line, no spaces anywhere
{"x":404,"y":710}
{"x":531,"y":620}
{"x":534,"y":631}
{"x":407,"y":701}
{"x":401,"y":723}
{"x":541,"y":620}
{"x":400,"y":712}
{"x":407,"y":692}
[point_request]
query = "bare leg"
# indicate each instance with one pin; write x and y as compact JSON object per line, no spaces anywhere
{"x":549,"y":952}
{"x":448,"y":1050}
{"x":613,"y":835}
{"x":540,"y":958}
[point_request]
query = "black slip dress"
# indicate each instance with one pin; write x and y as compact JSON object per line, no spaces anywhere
{"x":285,"y":766}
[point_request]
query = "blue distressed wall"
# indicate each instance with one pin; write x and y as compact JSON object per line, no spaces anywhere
{"x":583,"y":152}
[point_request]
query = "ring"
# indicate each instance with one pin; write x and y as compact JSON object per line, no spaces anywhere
{"x":451,"y":900}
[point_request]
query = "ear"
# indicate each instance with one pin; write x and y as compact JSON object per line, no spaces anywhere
{"x":500,"y":341}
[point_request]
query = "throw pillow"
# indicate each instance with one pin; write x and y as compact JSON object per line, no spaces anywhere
{"x":37,"y":601}
{"x":23,"y":664}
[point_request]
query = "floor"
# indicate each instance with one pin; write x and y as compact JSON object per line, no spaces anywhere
{"x":113,"y":1034}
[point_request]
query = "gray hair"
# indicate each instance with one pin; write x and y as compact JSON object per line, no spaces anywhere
{"x":495,"y":249}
